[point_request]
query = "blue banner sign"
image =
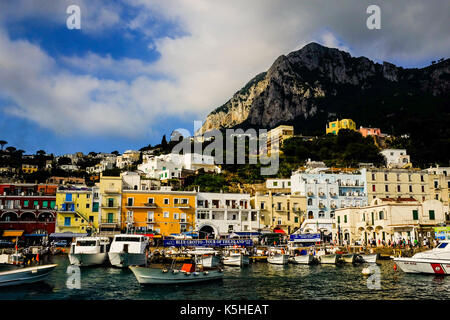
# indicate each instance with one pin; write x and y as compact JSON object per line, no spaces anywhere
{"x":208,"y":243}
{"x":309,"y":237}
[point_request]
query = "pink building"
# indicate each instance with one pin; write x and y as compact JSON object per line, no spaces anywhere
{"x":370,"y":131}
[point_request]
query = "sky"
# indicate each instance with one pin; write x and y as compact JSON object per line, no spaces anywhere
{"x":138,"y":69}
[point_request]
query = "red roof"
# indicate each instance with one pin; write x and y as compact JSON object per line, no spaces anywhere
{"x":279,"y":231}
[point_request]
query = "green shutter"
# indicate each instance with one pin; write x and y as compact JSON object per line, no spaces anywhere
{"x":431,"y":212}
{"x":415,"y":215}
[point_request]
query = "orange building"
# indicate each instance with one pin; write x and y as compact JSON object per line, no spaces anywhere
{"x":158,"y":211}
{"x":370,"y":131}
{"x":47,"y":189}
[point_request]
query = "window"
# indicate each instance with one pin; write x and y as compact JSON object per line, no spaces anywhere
{"x":410,"y":188}
{"x":95,"y":207}
{"x":339,"y":219}
{"x":150,"y":216}
{"x":345,"y":219}
{"x":386,"y":188}
{"x":310,"y":202}
{"x":166,"y":214}
{"x":381,"y":215}
{"x":278,"y":205}
{"x":88,"y":205}
{"x":431,"y":213}
{"x":176,"y":216}
{"x":26,"y":204}
{"x":44,"y":204}
{"x":275,"y":183}
{"x":373,"y":187}
{"x":415,"y":215}
{"x":91,"y":219}
{"x":385,"y":177}
{"x":150,"y":200}
{"x":166,"y":201}
{"x":67,"y":221}
{"x":423,"y":189}
{"x":88,"y":196}
{"x":130,"y":201}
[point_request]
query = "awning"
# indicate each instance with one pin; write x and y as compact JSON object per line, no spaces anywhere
{"x":13,"y":233}
{"x":151,"y":235}
{"x":36,"y":235}
{"x":279,"y":231}
{"x":67,"y":235}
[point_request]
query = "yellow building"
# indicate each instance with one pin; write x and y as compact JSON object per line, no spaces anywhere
{"x":162,"y":212}
{"x":29,"y":168}
{"x":76,"y":211}
{"x":110,"y":189}
{"x":334,"y":126}
{"x":283,"y":211}
{"x":276,"y":136}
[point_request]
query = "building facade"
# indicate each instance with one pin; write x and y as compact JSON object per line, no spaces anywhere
{"x":326,"y":192}
{"x":158,"y":211}
{"x":333,"y":127}
{"x":74,"y":205}
{"x":396,"y":158}
{"x":110,"y":196}
{"x":280,"y":211}
{"x":224,"y":213}
{"x":387,"y":220}
{"x":28,"y":207}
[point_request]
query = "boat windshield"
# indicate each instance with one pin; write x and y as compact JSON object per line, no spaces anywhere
{"x":128,"y":239}
{"x":87,"y":243}
{"x":442,"y":245}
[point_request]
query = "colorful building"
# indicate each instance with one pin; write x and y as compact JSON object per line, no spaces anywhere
{"x":334,"y":126}
{"x":276,"y":136}
{"x":370,"y":131}
{"x":76,"y":210}
{"x":159,"y":211}
{"x":28,"y":208}
{"x":110,"y":192}
{"x":29,"y":168}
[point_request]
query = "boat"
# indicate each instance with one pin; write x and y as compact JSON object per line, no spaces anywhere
{"x":277,"y":256}
{"x":127,"y":250}
{"x":237,"y":257}
{"x":435,"y":261}
{"x":89,"y":251}
{"x":369,"y":258}
{"x":207,"y":257}
{"x":189,"y":273}
{"x":11,"y":275}
{"x":349,"y":258}
{"x":303,"y":259}
{"x":326,"y":257}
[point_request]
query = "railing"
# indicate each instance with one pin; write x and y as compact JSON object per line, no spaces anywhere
{"x":112,"y":191}
{"x":151,"y":205}
{"x":182,"y":205}
{"x":112,"y":221}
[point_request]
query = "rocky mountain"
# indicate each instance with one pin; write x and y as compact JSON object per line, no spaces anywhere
{"x":315,"y":84}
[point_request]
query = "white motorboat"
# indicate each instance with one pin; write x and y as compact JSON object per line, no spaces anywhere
{"x":237,"y":257}
{"x":369,"y":258}
{"x":328,"y":256}
{"x":14,"y":275}
{"x":89,"y":251}
{"x":189,"y":273}
{"x":128,"y":250}
{"x":207,"y":257}
{"x":277,"y":256}
{"x":303,"y":259}
{"x":435,"y":261}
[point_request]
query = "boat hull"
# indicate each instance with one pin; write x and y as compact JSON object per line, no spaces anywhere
{"x":87,"y":259}
{"x":430,"y":266}
{"x":329,"y":259}
{"x":369,"y":258}
{"x":305,"y":259}
{"x":25,"y":275}
{"x":157,"y":276}
{"x":124,"y":260}
{"x":348,"y":258}
{"x":236,"y":261}
{"x":278,"y":259}
{"x":210,"y":261}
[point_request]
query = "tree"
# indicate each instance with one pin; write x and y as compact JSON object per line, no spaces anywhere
{"x":11,"y":149}
{"x":2,"y":143}
{"x":164,"y":142}
{"x":40,"y":153}
{"x":115,"y":152}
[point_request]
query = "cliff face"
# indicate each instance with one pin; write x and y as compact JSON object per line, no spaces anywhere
{"x":317,"y":83}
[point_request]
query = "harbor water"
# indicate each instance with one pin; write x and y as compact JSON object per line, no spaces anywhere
{"x":258,"y":281}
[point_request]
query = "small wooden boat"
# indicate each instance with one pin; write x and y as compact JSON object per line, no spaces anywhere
{"x":189,"y":273}
{"x":349,"y":258}
{"x":303,"y":259}
{"x":14,"y":275}
{"x":369,"y":258}
{"x":278,"y":256}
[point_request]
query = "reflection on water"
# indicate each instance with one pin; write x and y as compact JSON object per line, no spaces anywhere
{"x":256,"y":281}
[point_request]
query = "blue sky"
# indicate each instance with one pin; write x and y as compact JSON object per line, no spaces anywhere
{"x":139,"y":69}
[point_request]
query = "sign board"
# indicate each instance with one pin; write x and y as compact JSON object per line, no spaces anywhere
{"x":442,"y":233}
{"x":308,"y":237}
{"x":208,"y":243}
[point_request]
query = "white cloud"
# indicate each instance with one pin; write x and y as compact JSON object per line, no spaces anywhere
{"x":215,"y":49}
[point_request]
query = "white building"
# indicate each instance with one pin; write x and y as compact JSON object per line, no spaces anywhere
{"x":224,"y":213}
{"x":278,"y":184}
{"x":396,"y":158}
{"x":388,"y":219}
{"x":127,"y":158}
{"x":169,"y":166}
{"x":105,"y":164}
{"x":133,"y":181}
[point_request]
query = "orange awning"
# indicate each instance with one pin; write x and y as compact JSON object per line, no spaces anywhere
{"x":13,"y":233}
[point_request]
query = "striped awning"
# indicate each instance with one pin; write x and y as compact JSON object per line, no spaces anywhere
{"x":13,"y":233}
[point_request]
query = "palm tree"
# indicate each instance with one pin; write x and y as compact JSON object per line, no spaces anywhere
{"x":2,"y":143}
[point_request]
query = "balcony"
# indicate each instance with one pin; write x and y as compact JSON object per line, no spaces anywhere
{"x":112,"y":191}
{"x":109,"y":206}
{"x":182,"y":205}
{"x":333,"y":194}
{"x":280,"y":209}
{"x":109,"y":222}
{"x":310,"y":193}
{"x":321,"y":206}
{"x":151,"y":205}
{"x":333,"y":206}
{"x":321,"y":194}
